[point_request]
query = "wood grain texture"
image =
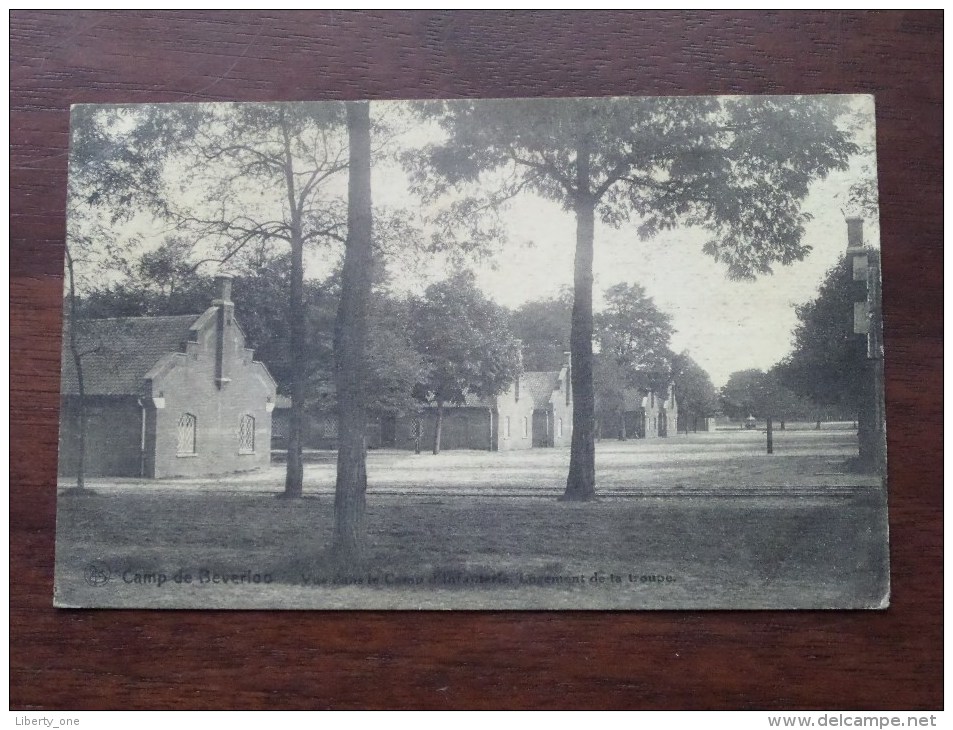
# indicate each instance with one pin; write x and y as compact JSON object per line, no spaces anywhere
{"x":766,"y":660}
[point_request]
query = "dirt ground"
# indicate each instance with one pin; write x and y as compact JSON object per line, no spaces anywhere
{"x":722,"y":461}
{"x":700,"y":521}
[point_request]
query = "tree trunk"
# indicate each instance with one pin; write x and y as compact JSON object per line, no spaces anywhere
{"x":622,"y":426}
{"x":350,"y":334}
{"x":581,"y":482}
{"x":770,"y":430}
{"x":80,"y":383}
{"x":417,"y":426}
{"x":294,"y":469}
{"x":438,"y":429}
{"x":297,"y":334}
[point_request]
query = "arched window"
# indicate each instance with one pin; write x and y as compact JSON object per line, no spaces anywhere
{"x":506,"y":431}
{"x":525,"y":427}
{"x":186,"y":435}
{"x":246,"y":435}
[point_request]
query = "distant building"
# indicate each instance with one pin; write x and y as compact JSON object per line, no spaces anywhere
{"x":661,"y":413}
{"x":690,"y":422}
{"x":534,"y":412}
{"x":501,"y":423}
{"x":166,"y":396}
{"x":319,"y":428}
{"x":643,"y":415}
{"x":516,"y":419}
{"x":552,"y":411}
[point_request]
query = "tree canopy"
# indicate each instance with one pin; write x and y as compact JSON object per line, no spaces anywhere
{"x":695,"y":392}
{"x":465,"y":342}
{"x":633,"y":332}
{"x":633,"y":338}
{"x":741,"y":396}
{"x":763,"y":395}
{"x":738,"y":167}
{"x":543,"y":328}
{"x":827,"y":355}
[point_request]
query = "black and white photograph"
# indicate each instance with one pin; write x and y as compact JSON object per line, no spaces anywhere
{"x":605,"y":353}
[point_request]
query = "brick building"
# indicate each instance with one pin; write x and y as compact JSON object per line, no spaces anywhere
{"x":166,"y":396}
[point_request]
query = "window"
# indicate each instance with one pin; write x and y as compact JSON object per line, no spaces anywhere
{"x":506,"y":431}
{"x":186,"y":435}
{"x":246,"y":435}
{"x":525,"y":427}
{"x":559,"y":428}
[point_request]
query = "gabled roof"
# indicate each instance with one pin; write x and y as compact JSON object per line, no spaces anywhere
{"x":540,"y":385}
{"x":118,"y":352}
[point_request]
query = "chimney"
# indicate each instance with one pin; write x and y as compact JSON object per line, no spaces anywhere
{"x":223,"y":283}
{"x":223,"y":322}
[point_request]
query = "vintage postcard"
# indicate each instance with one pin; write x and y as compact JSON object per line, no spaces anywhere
{"x":587,"y":353}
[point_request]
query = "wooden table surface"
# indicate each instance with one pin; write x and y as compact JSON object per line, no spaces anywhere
{"x":763,"y":660}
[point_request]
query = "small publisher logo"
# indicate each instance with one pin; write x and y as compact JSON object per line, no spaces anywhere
{"x":96,"y":574}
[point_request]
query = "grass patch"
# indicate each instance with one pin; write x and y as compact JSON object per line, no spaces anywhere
{"x":709,"y":552}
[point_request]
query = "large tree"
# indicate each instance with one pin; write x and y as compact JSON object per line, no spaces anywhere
{"x":762,"y":395}
{"x":262,"y":175}
{"x":465,"y":341}
{"x":350,"y":337}
{"x":741,"y":396}
{"x":829,"y":362}
{"x":696,"y":394}
{"x":827,"y":354}
{"x":633,"y":336}
{"x":739,"y":167}
{"x":394,"y":366}
{"x":634,"y":331}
